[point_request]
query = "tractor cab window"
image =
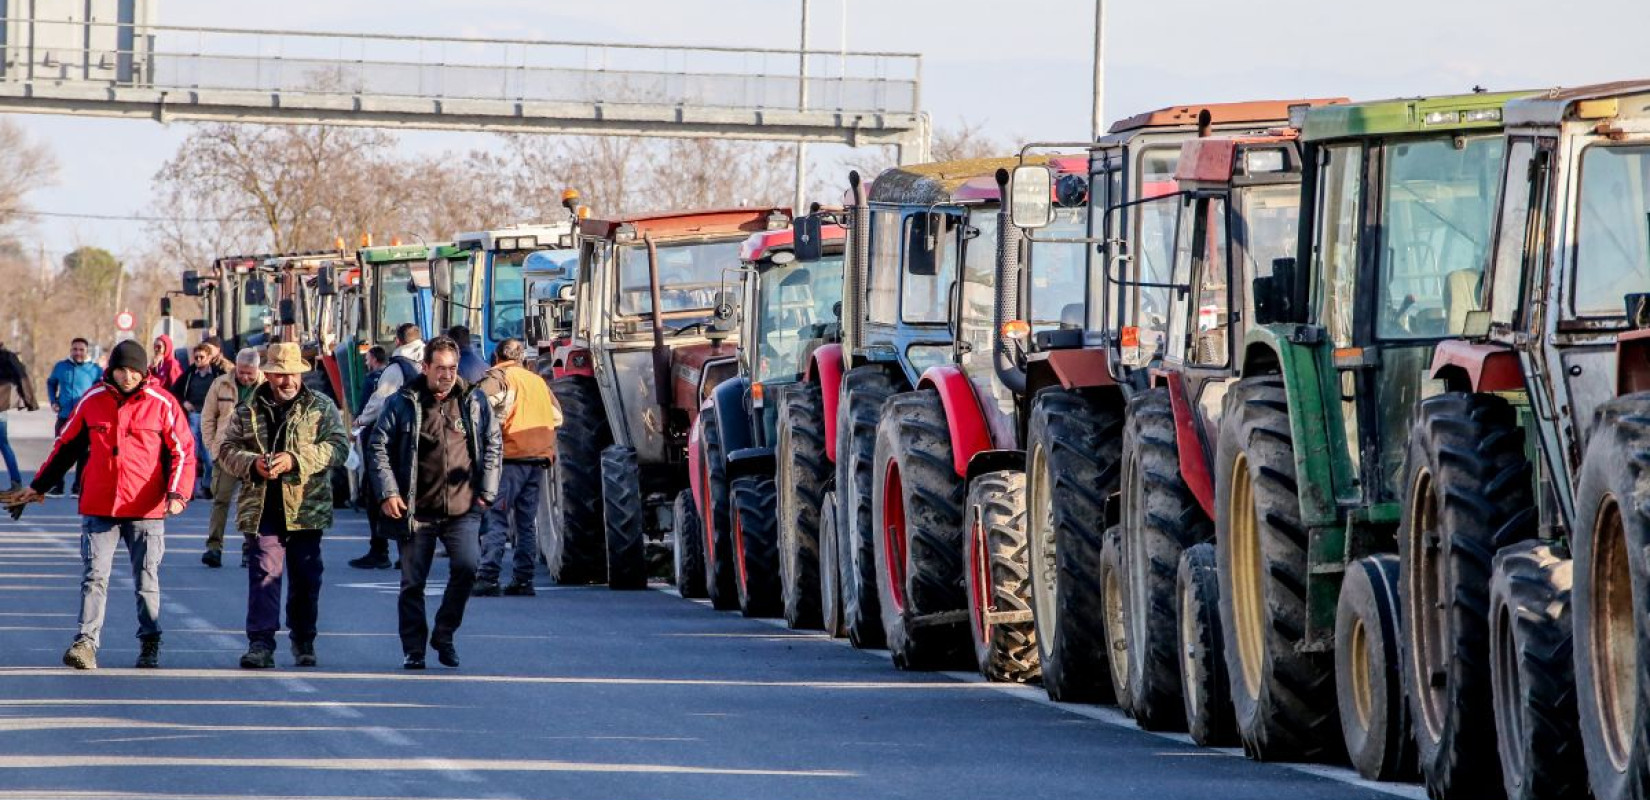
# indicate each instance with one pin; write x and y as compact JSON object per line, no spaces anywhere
{"x":882,"y":291}
{"x":1524,"y":186}
{"x":1265,"y":228}
{"x":396,"y":304}
{"x":1055,"y":277}
{"x":1211,"y":289}
{"x":795,"y":315}
{"x":1152,"y":245}
{"x":1438,"y":205}
{"x":690,"y":275}
{"x":1612,"y":256}
{"x":509,"y":291}
{"x":1336,"y":249}
{"x":931,"y":244}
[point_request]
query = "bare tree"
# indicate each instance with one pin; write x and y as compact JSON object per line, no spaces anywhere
{"x":25,"y":165}
{"x":967,"y":140}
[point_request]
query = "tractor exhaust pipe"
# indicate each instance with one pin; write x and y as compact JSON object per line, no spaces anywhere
{"x":1007,"y":305}
{"x":661,"y":353}
{"x":858,"y":273}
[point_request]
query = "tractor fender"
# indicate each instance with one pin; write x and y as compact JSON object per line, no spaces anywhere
{"x":1315,"y":425}
{"x":1477,"y":367}
{"x":751,"y":461}
{"x":696,"y":465}
{"x":574,"y":360}
{"x":1632,"y":362}
{"x":1189,"y":444}
{"x":1082,"y":368}
{"x":733,"y":422}
{"x":825,"y":368}
{"x":969,"y":434}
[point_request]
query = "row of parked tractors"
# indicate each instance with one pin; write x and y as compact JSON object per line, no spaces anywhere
{"x":1318,"y":427}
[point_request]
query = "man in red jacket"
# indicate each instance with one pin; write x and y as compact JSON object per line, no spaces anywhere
{"x":140,"y":467}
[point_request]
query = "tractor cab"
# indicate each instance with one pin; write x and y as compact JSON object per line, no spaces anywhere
{"x":389,"y":287}
{"x":234,"y":300}
{"x":551,"y":276}
{"x":307,"y":310}
{"x":487,"y":291}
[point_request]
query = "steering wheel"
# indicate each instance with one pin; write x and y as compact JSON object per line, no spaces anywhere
{"x":508,"y":323}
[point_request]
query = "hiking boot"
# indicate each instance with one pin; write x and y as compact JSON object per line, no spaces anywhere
{"x":81,"y":655}
{"x":447,"y":655}
{"x":149,"y":655}
{"x":303,"y":654}
{"x":484,"y":588}
{"x":520,"y":589}
{"x":258,"y":656}
{"x":371,"y":560}
{"x":413,"y":661}
{"x":246,"y":560}
{"x":212,"y":558}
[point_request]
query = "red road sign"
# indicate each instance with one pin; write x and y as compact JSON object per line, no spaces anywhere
{"x":125,"y":321}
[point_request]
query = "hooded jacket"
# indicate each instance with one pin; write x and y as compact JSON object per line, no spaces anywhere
{"x":139,"y":452}
{"x":404,"y":366}
{"x":392,"y":450}
{"x":167,"y":370}
{"x":313,"y":434}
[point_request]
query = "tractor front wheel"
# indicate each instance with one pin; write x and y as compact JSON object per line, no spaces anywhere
{"x":622,"y":519}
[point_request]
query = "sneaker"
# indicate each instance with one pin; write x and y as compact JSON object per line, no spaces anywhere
{"x":413,"y":661}
{"x":303,"y":654}
{"x":258,"y":656}
{"x":520,"y":589}
{"x":371,"y":561}
{"x":447,"y":655}
{"x":212,"y":558}
{"x":81,"y":655}
{"x":149,"y":655}
{"x":56,"y":493}
{"x":484,"y":588}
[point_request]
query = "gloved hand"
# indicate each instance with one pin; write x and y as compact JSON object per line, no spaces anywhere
{"x":16,"y":501}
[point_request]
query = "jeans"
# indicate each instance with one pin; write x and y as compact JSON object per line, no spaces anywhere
{"x":79,"y":464}
{"x":203,"y":456}
{"x":145,"y":542}
{"x":296,"y":555}
{"x":6,"y":451}
{"x":519,"y":489}
{"x":461,"y":536}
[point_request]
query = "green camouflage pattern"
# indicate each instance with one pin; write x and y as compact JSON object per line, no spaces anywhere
{"x":317,"y":440}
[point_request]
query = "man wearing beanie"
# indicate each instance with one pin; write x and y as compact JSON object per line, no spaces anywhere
{"x":140,"y":467}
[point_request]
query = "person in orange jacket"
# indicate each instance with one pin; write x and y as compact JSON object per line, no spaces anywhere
{"x":528,"y":417}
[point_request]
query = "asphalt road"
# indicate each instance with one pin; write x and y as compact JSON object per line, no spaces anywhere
{"x":575,"y":693}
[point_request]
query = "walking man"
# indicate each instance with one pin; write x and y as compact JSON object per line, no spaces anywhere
{"x":528,"y":416}
{"x":227,"y":392}
{"x":433,"y":459}
{"x":404,"y":365}
{"x":282,"y":444}
{"x":134,"y":440}
{"x":70,"y":380}
{"x":471,"y":366}
{"x":191,"y":391}
{"x":14,"y":377}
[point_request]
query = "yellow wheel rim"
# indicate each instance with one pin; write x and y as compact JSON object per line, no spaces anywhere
{"x":1615,"y":642}
{"x":1248,"y":594}
{"x":1363,"y":675}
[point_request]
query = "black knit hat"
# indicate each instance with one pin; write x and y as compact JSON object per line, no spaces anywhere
{"x":128,"y":354}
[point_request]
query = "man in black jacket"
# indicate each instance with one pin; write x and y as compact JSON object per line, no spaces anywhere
{"x":434,"y":456}
{"x":13,"y":376}
{"x":190,"y":389}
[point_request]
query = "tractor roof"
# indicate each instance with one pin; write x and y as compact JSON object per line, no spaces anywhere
{"x":764,"y":243}
{"x":972,"y":179}
{"x":1597,"y":101}
{"x":407,"y":252}
{"x":1214,"y":159}
{"x":1459,"y":112}
{"x":702,"y":222}
{"x":542,"y":233}
{"x":1253,"y":112}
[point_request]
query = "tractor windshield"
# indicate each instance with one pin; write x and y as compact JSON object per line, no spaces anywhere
{"x":1263,"y":231}
{"x":397,"y":301}
{"x":690,"y":274}
{"x":1437,"y":207}
{"x":795,"y":315}
{"x":1058,"y":282}
{"x":508,"y":289}
{"x":1613,"y":232}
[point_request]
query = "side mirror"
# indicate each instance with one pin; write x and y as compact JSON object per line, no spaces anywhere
{"x":289,"y":312}
{"x":191,"y":283}
{"x":1638,"y":310}
{"x":255,"y":293}
{"x":441,"y":278}
{"x":565,"y":293}
{"x":326,"y":281}
{"x":725,"y":309}
{"x":1476,"y":325}
{"x":836,"y":309}
{"x":1271,"y":293}
{"x":808,"y":244}
{"x":1030,"y":196}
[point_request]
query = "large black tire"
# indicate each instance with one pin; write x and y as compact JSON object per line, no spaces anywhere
{"x":721,"y":579}
{"x":1283,"y":699}
{"x":999,"y":579}
{"x":1369,"y":690}
{"x":622,"y":519}
{"x":756,"y":546}
{"x":1532,"y":671}
{"x":803,"y":473}
{"x":1114,"y":617}
{"x":1468,"y":494}
{"x":1612,"y":589}
{"x":687,"y":536}
{"x":576,"y":552}
{"x":830,"y":572}
{"x":1074,"y":447}
{"x":863,"y":391}
{"x":916,"y":503}
{"x":1161,"y":519}
{"x":1205,"y":689}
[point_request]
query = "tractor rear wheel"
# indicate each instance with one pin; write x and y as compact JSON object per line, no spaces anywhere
{"x":1071,"y":466}
{"x":999,"y":583}
{"x":1374,"y":718}
{"x":1469,"y":494}
{"x":622,"y":519}
{"x":1283,"y":699}
{"x":575,"y":550}
{"x":687,"y":547}
{"x":1612,"y":587}
{"x":803,"y":473}
{"x":830,"y":574}
{"x":721,"y":583}
{"x":756,"y":546}
{"x":1532,"y":671}
{"x":865,"y":389}
{"x":1161,"y":519}
{"x":1204,"y":687}
{"x":1114,"y":617}
{"x":916,"y":506}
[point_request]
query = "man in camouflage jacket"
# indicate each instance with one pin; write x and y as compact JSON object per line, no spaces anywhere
{"x":283,"y":444}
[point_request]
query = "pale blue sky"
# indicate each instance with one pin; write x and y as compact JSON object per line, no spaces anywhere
{"x":1021,"y":68}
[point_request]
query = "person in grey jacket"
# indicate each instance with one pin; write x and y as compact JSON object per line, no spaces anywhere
{"x":434,"y":458}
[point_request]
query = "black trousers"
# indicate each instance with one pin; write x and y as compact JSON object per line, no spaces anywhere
{"x":462,"y":537}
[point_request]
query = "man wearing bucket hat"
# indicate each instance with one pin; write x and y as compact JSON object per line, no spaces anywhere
{"x":282,"y":444}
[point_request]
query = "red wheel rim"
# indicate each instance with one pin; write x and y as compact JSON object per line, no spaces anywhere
{"x":739,"y":551}
{"x":979,"y":589}
{"x":893,"y":534}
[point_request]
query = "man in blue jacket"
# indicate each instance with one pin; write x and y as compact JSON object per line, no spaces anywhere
{"x":70,"y":380}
